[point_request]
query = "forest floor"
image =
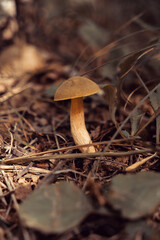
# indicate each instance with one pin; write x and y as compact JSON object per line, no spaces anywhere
{"x":49,"y":189}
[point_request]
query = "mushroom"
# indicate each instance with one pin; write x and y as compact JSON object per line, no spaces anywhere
{"x":75,"y":88}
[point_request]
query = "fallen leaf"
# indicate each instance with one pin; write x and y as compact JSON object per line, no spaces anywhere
{"x":55,"y":208}
{"x":135,"y":195}
{"x":155,"y":102}
{"x":111,"y":100}
{"x":142,"y":228}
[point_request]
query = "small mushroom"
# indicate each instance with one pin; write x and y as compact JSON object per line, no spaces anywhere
{"x":75,"y":88}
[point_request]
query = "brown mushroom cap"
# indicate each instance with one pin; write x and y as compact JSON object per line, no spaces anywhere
{"x":76,"y":87}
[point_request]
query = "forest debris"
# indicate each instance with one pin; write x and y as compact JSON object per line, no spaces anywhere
{"x":11,"y":189}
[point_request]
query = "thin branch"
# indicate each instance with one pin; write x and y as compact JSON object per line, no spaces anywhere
{"x":75,"y":155}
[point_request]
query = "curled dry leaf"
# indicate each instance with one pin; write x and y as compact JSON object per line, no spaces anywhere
{"x":111,"y":99}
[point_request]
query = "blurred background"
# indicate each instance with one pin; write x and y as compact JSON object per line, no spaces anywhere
{"x":73,"y":28}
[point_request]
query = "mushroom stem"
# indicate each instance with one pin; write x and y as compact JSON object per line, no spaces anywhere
{"x":78,"y":128}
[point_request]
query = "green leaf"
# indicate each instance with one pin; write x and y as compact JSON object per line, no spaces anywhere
{"x":55,"y":208}
{"x":135,"y":195}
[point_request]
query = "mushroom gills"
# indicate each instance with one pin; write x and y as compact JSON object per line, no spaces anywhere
{"x":78,"y":128}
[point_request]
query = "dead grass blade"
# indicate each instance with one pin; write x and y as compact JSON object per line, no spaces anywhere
{"x":129,"y":116}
